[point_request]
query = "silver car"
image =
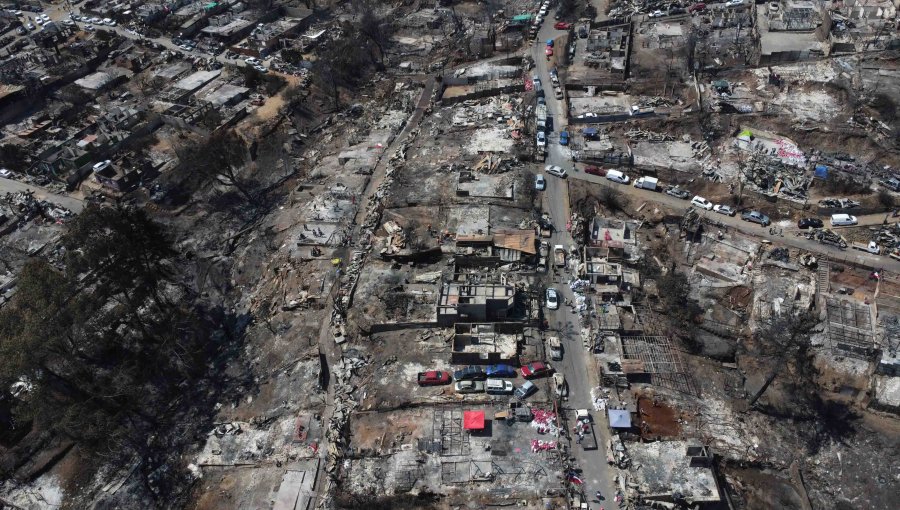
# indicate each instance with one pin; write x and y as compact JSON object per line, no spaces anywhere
{"x":469,"y":386}
{"x":724,"y":209}
{"x":756,"y":217}
{"x":552,"y":299}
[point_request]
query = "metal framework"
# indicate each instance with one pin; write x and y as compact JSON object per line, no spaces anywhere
{"x":850,"y":327}
{"x":655,"y":357}
{"x":447,"y":435}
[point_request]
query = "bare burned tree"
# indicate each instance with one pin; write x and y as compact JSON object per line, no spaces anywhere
{"x":219,"y":158}
{"x":785,"y":341}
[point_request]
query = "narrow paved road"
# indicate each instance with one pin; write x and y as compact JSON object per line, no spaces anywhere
{"x":577,"y":364}
{"x":849,"y":255}
{"x":10,"y":186}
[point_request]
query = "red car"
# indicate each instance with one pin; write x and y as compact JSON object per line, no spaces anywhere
{"x":536,"y":369}
{"x":549,"y":51}
{"x":594,"y":170}
{"x":562,"y":25}
{"x":434,"y":378}
{"x":697,"y":7}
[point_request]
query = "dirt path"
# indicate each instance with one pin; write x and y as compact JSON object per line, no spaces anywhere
{"x":378,"y":173}
{"x":327,"y":345}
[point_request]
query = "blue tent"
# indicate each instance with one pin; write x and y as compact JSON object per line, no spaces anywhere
{"x":821,"y":172}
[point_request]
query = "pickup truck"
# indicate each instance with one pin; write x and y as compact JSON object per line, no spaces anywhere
{"x":562,"y":387}
{"x":556,"y":352}
{"x":434,"y":378}
{"x":872,"y":247}
{"x":544,"y":249}
{"x":584,"y":429}
{"x":545,"y":226}
{"x":559,"y":254}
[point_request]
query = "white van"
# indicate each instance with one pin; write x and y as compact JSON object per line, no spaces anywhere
{"x":842,"y":220}
{"x":498,"y":387}
{"x":617,"y":176}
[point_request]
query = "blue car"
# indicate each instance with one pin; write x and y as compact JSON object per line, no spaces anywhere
{"x":501,"y":371}
{"x":564,"y":138}
{"x":470,"y":373}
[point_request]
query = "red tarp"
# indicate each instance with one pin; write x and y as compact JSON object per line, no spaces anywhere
{"x":473,"y":420}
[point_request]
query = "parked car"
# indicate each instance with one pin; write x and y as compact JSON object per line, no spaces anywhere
{"x":727,"y":210}
{"x":806,"y":223}
{"x":734,"y":3}
{"x":540,"y":183}
{"x":498,"y":387}
{"x":501,"y":370}
{"x":562,"y":25}
{"x":564,"y":138}
{"x":582,"y":33}
{"x":101,"y":165}
{"x":252,"y":61}
{"x":541,"y":139}
{"x":756,"y":217}
{"x":433,"y":378}
{"x":469,"y":387}
{"x":552,"y":299}
{"x":526,"y":390}
{"x":555,"y":170}
{"x":594,"y":170}
{"x":697,"y":7}
{"x":891,"y":183}
{"x":562,"y":387}
{"x":617,"y":176}
{"x":6,"y":174}
{"x":536,"y":369}
{"x":30,"y":26}
{"x":701,"y":202}
{"x":657,"y":14}
{"x":843,"y":220}
{"x":470,"y":373}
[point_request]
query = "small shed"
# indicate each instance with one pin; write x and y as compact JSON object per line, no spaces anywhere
{"x":619,"y":419}
{"x":473,"y":420}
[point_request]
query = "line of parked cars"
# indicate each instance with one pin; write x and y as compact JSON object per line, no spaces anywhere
{"x":491,"y":379}
{"x":752,"y":216}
